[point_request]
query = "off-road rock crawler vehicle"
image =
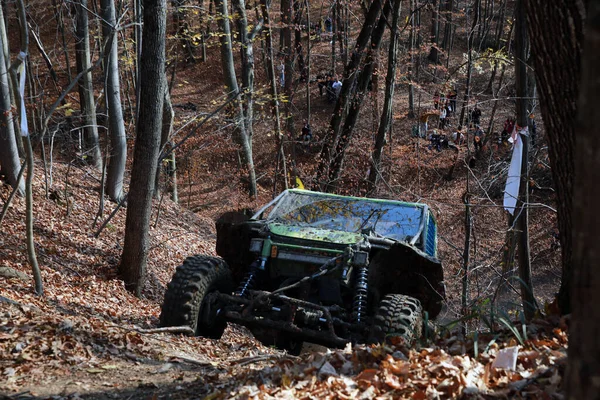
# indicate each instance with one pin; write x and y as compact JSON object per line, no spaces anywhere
{"x":314,"y":267}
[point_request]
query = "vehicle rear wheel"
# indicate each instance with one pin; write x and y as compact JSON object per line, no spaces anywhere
{"x":398,"y":315}
{"x":187,"y":299}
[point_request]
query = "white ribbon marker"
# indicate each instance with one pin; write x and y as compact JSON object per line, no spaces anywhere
{"x":24,"y":127}
{"x":511,"y":192}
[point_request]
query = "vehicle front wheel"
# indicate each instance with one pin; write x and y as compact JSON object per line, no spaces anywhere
{"x":187,"y":301}
{"x":398,"y":315}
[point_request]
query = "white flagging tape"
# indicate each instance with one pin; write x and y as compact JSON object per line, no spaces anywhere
{"x":513,"y":181}
{"x":24,"y":127}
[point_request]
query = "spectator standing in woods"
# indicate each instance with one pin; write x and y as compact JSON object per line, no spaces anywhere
{"x":443,"y":116}
{"x":509,"y":125}
{"x":328,"y":24}
{"x":436,"y":141}
{"x":476,"y":115}
{"x":452,"y":97}
{"x":322,"y":83}
{"x":436,"y":100}
{"x":282,"y":74}
{"x":337,"y":87}
{"x":330,"y":90}
{"x":306,"y":133}
{"x":478,"y":138}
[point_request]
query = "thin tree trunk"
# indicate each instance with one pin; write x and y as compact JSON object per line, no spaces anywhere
{"x":229,"y":76}
{"x":308,"y":63}
{"x":411,"y":50}
{"x":335,"y":126}
{"x":435,"y":32}
{"x":448,"y":17}
{"x":37,"y":275}
{"x":61,"y":26}
{"x":86,"y":89}
{"x":469,"y":63}
{"x":274,"y":94}
{"x":386,"y":115}
{"x":333,"y":33}
{"x":152,"y":72}
{"x":466,"y":253}
{"x":9,"y":153}
{"x":165,"y":133}
{"x":116,"y":124}
{"x":529,"y":304}
{"x":369,"y":73}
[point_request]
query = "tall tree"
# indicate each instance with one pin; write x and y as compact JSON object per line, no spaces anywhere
{"x":272,"y":77}
{"x":247,"y":56}
{"x":18,"y":66}
{"x":152,"y":73}
{"x":556,"y":34}
{"x":86,"y":89}
{"x":335,"y":126}
{"x":386,"y":115}
{"x":116,"y":126}
{"x":368,"y":75}
{"x":435,"y":31}
{"x":229,"y":76}
{"x":9,"y":154}
{"x":523,"y":212}
{"x":584,"y":347}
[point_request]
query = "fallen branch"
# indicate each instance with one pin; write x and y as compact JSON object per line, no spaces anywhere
{"x":167,"y":329}
{"x":262,"y":357}
{"x":191,"y":360}
{"x":9,"y":301}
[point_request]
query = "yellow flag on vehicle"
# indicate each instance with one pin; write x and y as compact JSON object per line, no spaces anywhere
{"x":299,"y":184}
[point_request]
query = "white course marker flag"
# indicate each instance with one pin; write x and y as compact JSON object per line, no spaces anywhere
{"x":24,"y":127}
{"x":511,"y":192}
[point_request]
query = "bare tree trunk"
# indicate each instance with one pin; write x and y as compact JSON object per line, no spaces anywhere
{"x":241,"y":136}
{"x":333,"y":33}
{"x":274,"y":94}
{"x":138,"y":11}
{"x":499,"y":31}
{"x":435,"y":32}
{"x":369,"y":73}
{"x":341,"y":106}
{"x":470,"y":41}
{"x":529,"y":303}
{"x":247,"y":49}
{"x":165,"y":134}
{"x":308,"y":62}
{"x":152,"y":72}
{"x":386,"y":115}
{"x":37,"y":275}
{"x":86,"y":89}
{"x":288,"y":52}
{"x":556,"y":34}
{"x":411,"y":50}
{"x":584,"y":347}
{"x":116,"y":124}
{"x":9,"y":153}
{"x":466,"y":253}
{"x":448,"y":28}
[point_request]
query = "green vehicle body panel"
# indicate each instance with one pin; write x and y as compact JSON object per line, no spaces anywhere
{"x":309,"y":233}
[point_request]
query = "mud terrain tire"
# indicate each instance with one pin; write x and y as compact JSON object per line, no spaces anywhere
{"x":185,"y":304}
{"x":398,"y":315}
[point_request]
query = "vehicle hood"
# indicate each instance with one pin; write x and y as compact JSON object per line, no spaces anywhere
{"x":312,"y":233}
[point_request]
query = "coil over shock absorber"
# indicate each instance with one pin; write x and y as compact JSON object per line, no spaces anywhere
{"x":248,"y":282}
{"x":359,"y":305}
